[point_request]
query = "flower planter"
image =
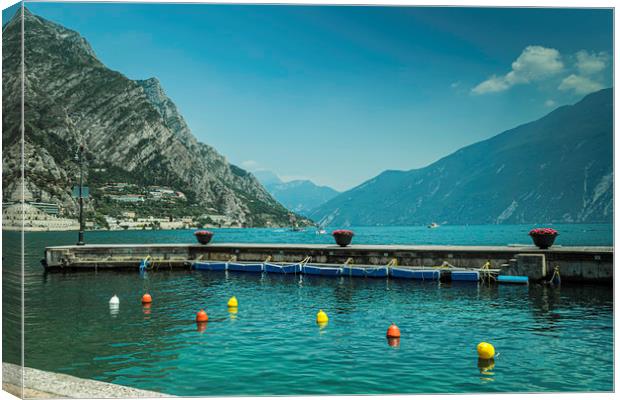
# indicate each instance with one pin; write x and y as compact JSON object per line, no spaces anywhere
{"x":543,"y":241}
{"x":543,"y":237}
{"x":203,"y":237}
{"x":343,"y":237}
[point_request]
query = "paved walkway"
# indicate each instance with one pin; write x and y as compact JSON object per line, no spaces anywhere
{"x":41,"y":384}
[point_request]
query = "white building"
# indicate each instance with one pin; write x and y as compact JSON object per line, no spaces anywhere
{"x":30,"y":218}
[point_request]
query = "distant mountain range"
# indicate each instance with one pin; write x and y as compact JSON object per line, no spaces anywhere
{"x":131,"y":130}
{"x":300,"y":196}
{"x":556,"y":169}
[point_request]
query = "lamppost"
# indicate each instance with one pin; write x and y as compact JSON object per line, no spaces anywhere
{"x":80,"y":197}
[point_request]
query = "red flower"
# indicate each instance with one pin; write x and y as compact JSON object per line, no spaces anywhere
{"x":203,"y":233}
{"x":344,"y":232}
{"x":543,"y":231}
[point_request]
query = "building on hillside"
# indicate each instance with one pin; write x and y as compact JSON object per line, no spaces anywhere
{"x":31,"y":218}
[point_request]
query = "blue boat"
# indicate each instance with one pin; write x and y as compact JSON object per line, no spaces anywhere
{"x":327,"y":271}
{"x":282,"y":269}
{"x":210,"y":265}
{"x":419,"y":274}
{"x":512,"y":279}
{"x":249,"y":267}
{"x":366,"y":272}
{"x":465,"y":276}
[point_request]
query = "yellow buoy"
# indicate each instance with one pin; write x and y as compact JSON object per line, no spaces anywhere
{"x":233,"y":302}
{"x":321,"y":317}
{"x":486,"y":351}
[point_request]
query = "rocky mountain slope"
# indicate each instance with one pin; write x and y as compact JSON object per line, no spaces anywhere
{"x":300,"y":196}
{"x":128,"y":127}
{"x":556,"y":169}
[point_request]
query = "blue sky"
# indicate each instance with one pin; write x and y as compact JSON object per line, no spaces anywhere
{"x":339,"y":94}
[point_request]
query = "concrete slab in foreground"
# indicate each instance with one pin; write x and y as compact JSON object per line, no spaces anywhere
{"x":46,"y":385}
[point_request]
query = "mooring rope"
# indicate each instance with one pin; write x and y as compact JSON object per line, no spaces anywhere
{"x":556,"y":273}
{"x":486,"y":272}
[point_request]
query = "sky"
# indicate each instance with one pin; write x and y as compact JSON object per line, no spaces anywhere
{"x":338,"y":94}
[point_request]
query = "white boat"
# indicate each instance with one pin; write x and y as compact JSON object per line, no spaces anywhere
{"x":433,"y":225}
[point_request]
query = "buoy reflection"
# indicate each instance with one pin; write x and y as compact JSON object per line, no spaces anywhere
{"x":322,"y":326}
{"x":232,"y":311}
{"x":393,"y":341}
{"x":486,"y":367}
{"x":201,"y":326}
{"x":114,"y":308}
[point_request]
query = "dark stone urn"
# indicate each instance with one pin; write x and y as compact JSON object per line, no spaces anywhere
{"x":543,"y":241}
{"x":343,"y":237}
{"x":203,"y":237}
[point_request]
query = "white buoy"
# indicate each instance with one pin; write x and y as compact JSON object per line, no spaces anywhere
{"x":114,"y":301}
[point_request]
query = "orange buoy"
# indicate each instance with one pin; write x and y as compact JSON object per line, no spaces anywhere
{"x":393,"y":331}
{"x":201,"y":316}
{"x":146,"y":299}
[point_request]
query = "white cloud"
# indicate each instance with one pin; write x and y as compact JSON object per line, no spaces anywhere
{"x":492,"y":85}
{"x":250,"y":165}
{"x":579,"y":84}
{"x":454,"y":85}
{"x":550,"y":103}
{"x":533,"y":64}
{"x":591,"y":63}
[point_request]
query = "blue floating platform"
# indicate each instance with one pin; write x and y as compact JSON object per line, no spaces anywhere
{"x":512,"y":279}
{"x":404,"y":273}
{"x":250,"y":267}
{"x":365,"y":272}
{"x":465,"y":276}
{"x":210,"y":266}
{"x":327,"y":271}
{"x":418,"y":274}
{"x":282,"y":269}
{"x":427,"y":275}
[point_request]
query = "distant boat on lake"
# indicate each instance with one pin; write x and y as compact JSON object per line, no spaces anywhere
{"x":433,"y":225}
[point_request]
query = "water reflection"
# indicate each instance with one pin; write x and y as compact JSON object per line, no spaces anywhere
{"x":146,"y":309}
{"x":486,"y":366}
{"x":201,"y":326}
{"x":114,"y":309}
{"x":393,"y":342}
{"x":232,"y":312}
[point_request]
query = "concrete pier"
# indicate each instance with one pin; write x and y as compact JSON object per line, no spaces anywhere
{"x":30,"y":383}
{"x":579,"y":264}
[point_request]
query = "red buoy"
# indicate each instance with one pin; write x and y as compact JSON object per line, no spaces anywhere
{"x":393,"y":331}
{"x":201,"y":316}
{"x":146,"y":299}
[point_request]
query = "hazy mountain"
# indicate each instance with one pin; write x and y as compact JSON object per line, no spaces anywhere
{"x":300,"y":196}
{"x":556,"y":169}
{"x":267,"y":178}
{"x":131,"y":129}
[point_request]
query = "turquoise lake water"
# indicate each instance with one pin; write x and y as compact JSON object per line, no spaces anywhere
{"x":548,"y":339}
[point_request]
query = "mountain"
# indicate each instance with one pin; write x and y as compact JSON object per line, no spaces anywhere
{"x":267,"y":178}
{"x":300,"y":196}
{"x":133,"y":133}
{"x":556,"y":169}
